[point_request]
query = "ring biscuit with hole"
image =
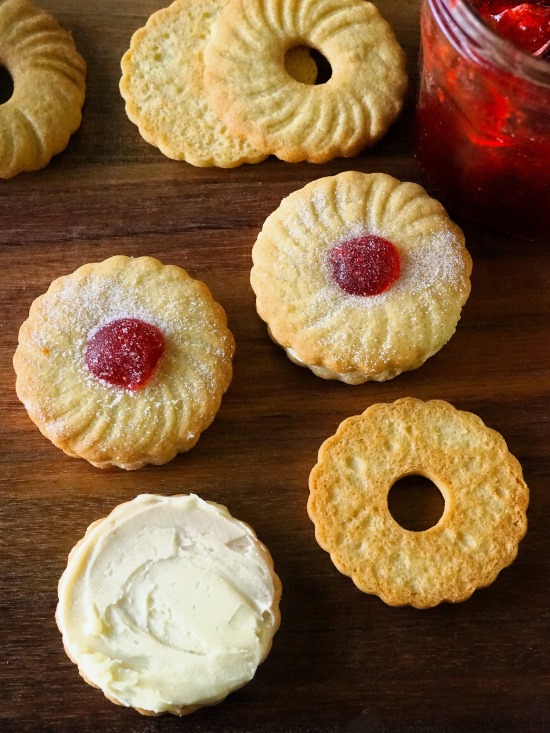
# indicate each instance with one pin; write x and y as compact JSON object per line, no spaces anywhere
{"x":482,"y":483}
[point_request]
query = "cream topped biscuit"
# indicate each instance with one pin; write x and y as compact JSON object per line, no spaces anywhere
{"x":168,"y":604}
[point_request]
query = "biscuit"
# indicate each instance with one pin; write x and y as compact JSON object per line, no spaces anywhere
{"x":300,"y":65}
{"x":482,"y":484}
{"x":360,"y":277}
{"x":162,"y":84}
{"x":168,"y":604}
{"x":124,"y":362}
{"x":250,"y":90}
{"x":49,"y":86}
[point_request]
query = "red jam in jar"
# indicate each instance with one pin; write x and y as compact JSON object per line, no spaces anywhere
{"x":125,"y":352}
{"x":527,"y":25}
{"x":483,"y":116}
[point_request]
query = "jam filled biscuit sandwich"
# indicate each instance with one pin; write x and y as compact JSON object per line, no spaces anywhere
{"x":360,"y":277}
{"x":162,"y":85}
{"x":124,"y":362}
{"x":481,"y":482}
{"x":48,"y":76}
{"x":249,"y":89}
{"x":168,"y":604}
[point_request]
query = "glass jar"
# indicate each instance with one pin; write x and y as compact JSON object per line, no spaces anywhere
{"x":483,"y":121}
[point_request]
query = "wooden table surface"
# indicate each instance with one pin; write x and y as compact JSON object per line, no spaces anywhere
{"x":342,"y":660}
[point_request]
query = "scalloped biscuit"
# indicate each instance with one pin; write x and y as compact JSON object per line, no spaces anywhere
{"x":360,"y":276}
{"x":481,"y":481}
{"x":124,"y":362}
{"x":49,"y":85}
{"x":162,"y":85}
{"x":248,"y":86}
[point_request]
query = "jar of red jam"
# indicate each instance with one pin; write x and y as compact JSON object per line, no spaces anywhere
{"x":483,"y":117}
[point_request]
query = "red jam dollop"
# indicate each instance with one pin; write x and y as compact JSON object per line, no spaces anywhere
{"x":527,"y":25}
{"x":366,"y":265}
{"x":125,"y":352}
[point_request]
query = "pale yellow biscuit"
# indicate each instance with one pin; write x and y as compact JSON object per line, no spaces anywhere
{"x":49,"y":86}
{"x":179,"y":618}
{"x":300,"y":65}
{"x":250,"y":90}
{"x":482,"y":484}
{"x":162,"y":84}
{"x":89,"y":417}
{"x":350,"y":337}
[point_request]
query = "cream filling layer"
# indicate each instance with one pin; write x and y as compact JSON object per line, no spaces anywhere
{"x":168,"y":602}
{"x":347,"y":377}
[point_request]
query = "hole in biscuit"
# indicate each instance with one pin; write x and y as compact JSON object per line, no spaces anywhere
{"x":324,"y":69}
{"x":307,"y":65}
{"x":416,"y":503}
{"x":6,"y":85}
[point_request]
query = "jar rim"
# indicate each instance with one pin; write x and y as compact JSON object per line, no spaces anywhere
{"x":462,"y":20}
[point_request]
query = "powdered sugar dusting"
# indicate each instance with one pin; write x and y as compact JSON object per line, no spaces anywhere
{"x":433,"y":259}
{"x":416,"y":314}
{"x":81,"y":308}
{"x":182,"y":395}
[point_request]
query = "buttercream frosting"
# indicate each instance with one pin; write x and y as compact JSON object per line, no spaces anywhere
{"x":168,"y":603}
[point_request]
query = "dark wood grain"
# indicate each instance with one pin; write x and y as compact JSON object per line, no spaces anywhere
{"x":342,"y":661}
